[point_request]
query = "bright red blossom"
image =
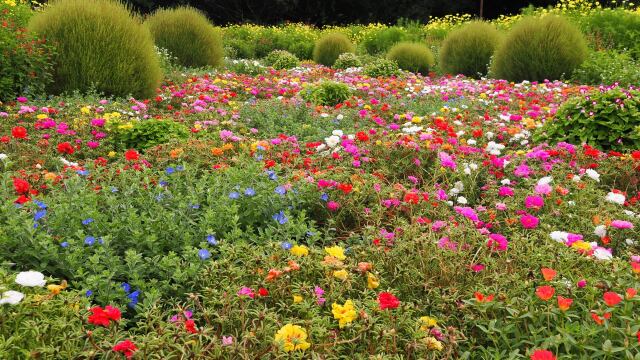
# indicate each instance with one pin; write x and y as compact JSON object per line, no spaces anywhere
{"x":611,"y":298}
{"x":103,"y":317}
{"x":19,"y":132}
{"x":386,"y":300}
{"x":545,"y":292}
{"x":126,"y":347}
{"x":542,"y":355}
{"x":131,"y":155}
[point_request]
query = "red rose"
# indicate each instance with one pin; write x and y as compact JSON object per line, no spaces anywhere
{"x":131,"y":155}
{"x":19,"y":132}
{"x":386,"y":300}
{"x":126,"y":347}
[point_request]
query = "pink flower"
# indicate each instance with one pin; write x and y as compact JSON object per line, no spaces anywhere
{"x":529,"y":221}
{"x":543,"y":189}
{"x":501,"y":206}
{"x":522,"y":171}
{"x":245,"y":291}
{"x":477,"y":267}
{"x":535,"y":202}
{"x":333,"y":206}
{"x":467,"y":212}
{"x":582,"y":283}
{"x":505,"y":191}
{"x":621,"y":224}
{"x":447,"y":161}
{"x":497,"y":242}
{"x":227,"y":340}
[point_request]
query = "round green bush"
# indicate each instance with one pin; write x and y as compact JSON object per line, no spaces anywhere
{"x":379,"y":41}
{"x":329,"y":47}
{"x":347,"y":60}
{"x":412,"y":57}
{"x":381,"y":67}
{"x":188,"y":35}
{"x":607,"y":118}
{"x":281,"y":59}
{"x":329,"y":93}
{"x":468,"y":50}
{"x":608,"y":67}
{"x":100,"y":46}
{"x":538,"y":49}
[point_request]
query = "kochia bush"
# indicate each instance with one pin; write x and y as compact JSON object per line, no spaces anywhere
{"x":468,"y":50}
{"x":412,"y":57}
{"x":329,"y":47}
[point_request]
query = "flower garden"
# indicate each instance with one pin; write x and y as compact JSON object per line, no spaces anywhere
{"x":306,"y":211}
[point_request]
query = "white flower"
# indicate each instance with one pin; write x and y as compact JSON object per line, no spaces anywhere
{"x":593,"y":174}
{"x":340,"y":117}
{"x":3,"y":156}
{"x":324,"y":115}
{"x":559,"y":236}
{"x":471,"y":142}
{"x":30,"y":278}
{"x":576,"y":178}
{"x":494,"y":148}
{"x":545,"y":180}
{"x":615,"y":198}
{"x":630,"y":242}
{"x":11,"y":297}
{"x":473,"y":166}
{"x":337,"y":133}
{"x":600,"y":231}
{"x":68,"y":163}
{"x":332,"y":141}
{"x":321,"y":147}
{"x":462,"y":200}
{"x":602,"y":254}
{"x":505,"y":182}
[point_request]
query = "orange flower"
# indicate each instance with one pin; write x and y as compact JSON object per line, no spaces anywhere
{"x":216,"y":151}
{"x":545,"y":292}
{"x":611,"y":299}
{"x":273,"y":274}
{"x":635,"y":267}
{"x":293,"y":266}
{"x":630,"y":293}
{"x":363,"y":267}
{"x":564,"y":303}
{"x":176,"y":152}
{"x":483,"y":299}
{"x":548,"y":274}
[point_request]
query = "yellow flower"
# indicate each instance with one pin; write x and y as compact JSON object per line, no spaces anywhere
{"x":300,"y":250}
{"x":335,"y":251}
{"x":372,"y":281}
{"x":42,"y":116}
{"x":345,"y":314}
{"x":85,"y":110}
{"x":56,"y":289}
{"x":427,"y":322}
{"x":111,"y":154}
{"x":433,"y":344}
{"x":297,"y":299}
{"x":291,"y":338}
{"x":341,"y":274}
{"x":581,"y":245}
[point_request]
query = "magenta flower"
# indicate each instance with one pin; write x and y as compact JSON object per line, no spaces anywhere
{"x":621,"y":224}
{"x":534,"y":202}
{"x":447,"y":161}
{"x":245,"y":291}
{"x":333,"y":206}
{"x":505,"y":191}
{"x":529,"y":221}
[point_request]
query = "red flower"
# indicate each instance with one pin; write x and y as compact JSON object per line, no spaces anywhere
{"x":630,"y":293}
{"x":190,"y":325}
{"x":21,"y":199}
{"x":548,"y":274}
{"x":102,"y":317}
{"x":564,"y":303}
{"x":638,"y":335}
{"x":542,"y":355}
{"x":126,"y":347}
{"x":481,"y":298}
{"x":21,"y":186}
{"x":112,"y":312}
{"x":19,"y":132}
{"x":131,"y":155}
{"x":545,"y":292}
{"x":611,"y":298}
{"x":263,"y":292}
{"x":386,"y":300}
{"x":66,"y":148}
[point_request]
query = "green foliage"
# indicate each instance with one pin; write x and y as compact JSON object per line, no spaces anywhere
{"x":25,"y":61}
{"x":281,"y":59}
{"x":608,"y":67}
{"x":538,"y":49}
{"x":188,"y":35}
{"x":243,"y":48}
{"x":468,"y":50}
{"x":99,"y":45}
{"x":380,"y":41}
{"x":347,"y":60}
{"x":605,"y":118}
{"x":146,"y":133}
{"x":381,"y":67}
{"x":414,"y":57}
{"x":244,"y":66}
{"x":329,"y":47}
{"x":329,"y":93}
{"x":616,"y":29}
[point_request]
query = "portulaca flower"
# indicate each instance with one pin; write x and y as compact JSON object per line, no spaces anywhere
{"x":593,"y":174}
{"x":560,"y":236}
{"x":337,"y":133}
{"x":3,"y":156}
{"x":462,"y":200}
{"x":30,"y":279}
{"x":494,"y":148}
{"x":332,"y":141}
{"x":11,"y":297}
{"x":615,"y":198}
{"x":545,"y":180}
{"x":600,"y":230}
{"x":602,"y":254}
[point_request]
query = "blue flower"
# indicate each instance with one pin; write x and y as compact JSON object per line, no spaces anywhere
{"x":39,"y":215}
{"x":40,"y":204}
{"x":126,"y":287}
{"x":204,"y":254}
{"x":280,"y":217}
{"x":100,"y":241}
{"x":180,"y":168}
{"x":280,"y":190}
{"x":89,"y":240}
{"x":133,"y":297}
{"x":195,"y":206}
{"x":88,"y":293}
{"x":286,"y":245}
{"x":211,"y":239}
{"x":83,"y":172}
{"x":159,"y":197}
{"x":249,"y":192}
{"x":324,"y":197}
{"x":170,"y":170}
{"x":114,"y":189}
{"x":87,"y":221}
{"x":259,"y":157}
{"x":65,"y":244}
{"x":272,"y":175}
{"x":234,"y":195}
{"x":260,"y":147}
{"x":163,"y":183}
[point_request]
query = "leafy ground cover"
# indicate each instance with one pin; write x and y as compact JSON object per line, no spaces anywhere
{"x":227,"y":217}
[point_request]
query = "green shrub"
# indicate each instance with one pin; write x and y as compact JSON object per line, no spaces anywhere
{"x":99,"y":45}
{"x":605,"y":118}
{"x":381,"y":67}
{"x":244,"y":66}
{"x":380,"y":41}
{"x":468,"y":50}
{"x":608,"y":67}
{"x":281,"y":59}
{"x":243,"y":48}
{"x":329,"y":47}
{"x":328,"y":93}
{"x":188,"y":35}
{"x":616,"y":29}
{"x":538,"y":49}
{"x":146,"y":133}
{"x":25,"y":61}
{"x":412,"y":57}
{"x":347,"y":60}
